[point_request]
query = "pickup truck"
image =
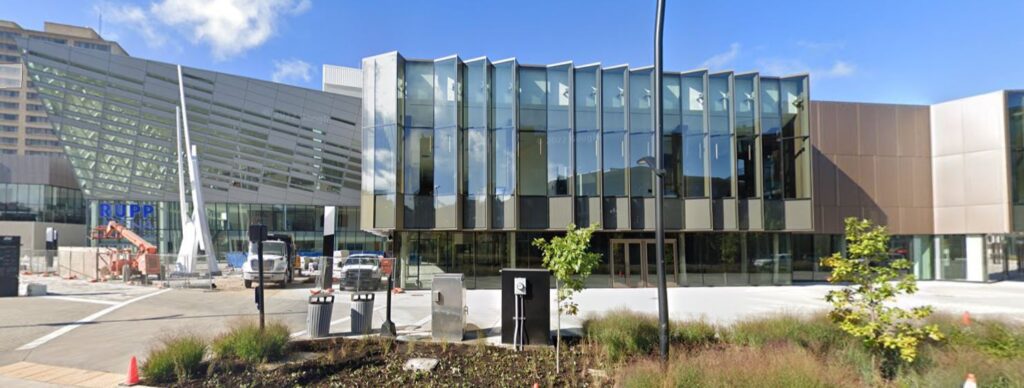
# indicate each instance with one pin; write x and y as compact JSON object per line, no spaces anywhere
{"x":359,"y":271}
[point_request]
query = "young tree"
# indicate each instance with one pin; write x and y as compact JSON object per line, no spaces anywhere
{"x":568,"y":259}
{"x":864,"y":308}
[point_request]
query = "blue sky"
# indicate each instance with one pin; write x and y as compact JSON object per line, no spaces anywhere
{"x":906,"y":51}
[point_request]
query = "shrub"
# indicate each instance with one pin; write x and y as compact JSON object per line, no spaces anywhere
{"x":693,"y":335}
{"x":245,"y":342}
{"x":952,"y":364}
{"x":815,"y":334}
{"x":177,"y":359}
{"x":771,"y":366}
{"x":623,"y":334}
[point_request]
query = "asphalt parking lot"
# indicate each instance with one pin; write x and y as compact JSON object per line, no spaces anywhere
{"x":100,"y":326}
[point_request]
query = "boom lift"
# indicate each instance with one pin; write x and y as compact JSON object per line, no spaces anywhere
{"x":143,"y":260}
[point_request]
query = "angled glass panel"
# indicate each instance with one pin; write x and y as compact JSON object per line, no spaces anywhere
{"x":795,"y":138}
{"x":559,"y":130}
{"x":720,"y":148}
{"x":504,"y":134}
{"x":672,"y":136}
{"x":694,"y":135}
{"x":477,"y":103}
{"x":746,"y":157}
{"x":532,"y":99}
{"x":641,"y":132}
{"x":771,"y":138}
{"x":613,"y":111}
{"x":588,"y":150}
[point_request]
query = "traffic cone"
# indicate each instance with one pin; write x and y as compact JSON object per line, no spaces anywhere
{"x":966,"y":318}
{"x":133,"y":372}
{"x":971,"y":381}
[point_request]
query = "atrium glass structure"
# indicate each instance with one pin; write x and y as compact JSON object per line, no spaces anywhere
{"x":268,"y":152}
{"x":465,"y":162}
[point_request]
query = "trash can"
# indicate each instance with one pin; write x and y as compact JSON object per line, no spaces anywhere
{"x":325,"y":273}
{"x":318,"y":317}
{"x":362,"y":313}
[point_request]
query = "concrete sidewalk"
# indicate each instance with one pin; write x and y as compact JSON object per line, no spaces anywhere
{"x":28,"y":374}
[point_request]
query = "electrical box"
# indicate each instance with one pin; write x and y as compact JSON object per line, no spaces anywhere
{"x":448,"y":307}
{"x":519,"y":286}
{"x":533,"y":286}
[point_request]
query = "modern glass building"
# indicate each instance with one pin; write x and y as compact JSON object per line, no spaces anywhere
{"x":268,"y":152}
{"x":466,"y":162}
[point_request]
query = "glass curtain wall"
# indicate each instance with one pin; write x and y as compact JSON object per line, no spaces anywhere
{"x":533,"y":147}
{"x":559,"y":130}
{"x":613,"y":102}
{"x":588,"y":138}
{"x":772,"y":154}
{"x":448,"y":94}
{"x":418,"y":186}
{"x":475,"y":159}
{"x":672,"y":135}
{"x":953,"y":256}
{"x":720,"y":150}
{"x":44,"y":203}
{"x":1015,"y":115}
{"x":746,"y":137}
{"x":641,"y":132}
{"x":694,"y":135}
{"x":796,"y":159}
{"x":503,"y":143}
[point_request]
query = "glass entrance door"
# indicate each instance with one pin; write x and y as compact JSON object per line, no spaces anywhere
{"x":634,"y":262}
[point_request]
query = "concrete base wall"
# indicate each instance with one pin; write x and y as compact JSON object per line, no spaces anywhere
{"x":33,"y":234}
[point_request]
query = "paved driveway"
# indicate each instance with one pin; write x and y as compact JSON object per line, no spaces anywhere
{"x":99,"y":326}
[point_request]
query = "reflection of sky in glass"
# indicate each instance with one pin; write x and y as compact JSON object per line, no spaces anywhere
{"x":10,"y":75}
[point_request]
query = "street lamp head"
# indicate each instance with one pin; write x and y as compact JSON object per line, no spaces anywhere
{"x":651,"y":163}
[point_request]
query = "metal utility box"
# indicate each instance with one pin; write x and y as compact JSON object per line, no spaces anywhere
{"x":10,"y":251}
{"x":448,"y":307}
{"x":536,"y":305}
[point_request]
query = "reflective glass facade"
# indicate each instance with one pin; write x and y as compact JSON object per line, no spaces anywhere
{"x":483,"y":146}
{"x":41,"y":203}
{"x":267,"y":152}
{"x":536,"y":148}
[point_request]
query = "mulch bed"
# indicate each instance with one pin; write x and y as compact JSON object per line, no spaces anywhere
{"x":378,"y":363}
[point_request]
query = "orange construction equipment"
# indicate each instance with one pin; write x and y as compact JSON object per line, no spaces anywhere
{"x":145,"y":260}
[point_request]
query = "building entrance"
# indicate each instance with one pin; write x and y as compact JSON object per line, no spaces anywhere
{"x":634,"y":262}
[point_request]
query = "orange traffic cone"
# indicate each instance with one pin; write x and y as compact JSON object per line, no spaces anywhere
{"x":971,"y":381}
{"x":133,"y":372}
{"x":966,"y":319}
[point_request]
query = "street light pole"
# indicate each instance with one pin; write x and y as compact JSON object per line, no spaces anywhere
{"x":659,"y":189}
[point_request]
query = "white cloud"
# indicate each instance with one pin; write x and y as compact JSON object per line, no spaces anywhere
{"x":840,"y":69}
{"x":291,"y":70}
{"x":229,"y":27}
{"x":134,"y":18}
{"x":723,"y":59}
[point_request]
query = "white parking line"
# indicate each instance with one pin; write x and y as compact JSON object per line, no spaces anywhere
{"x":64,"y":330}
{"x":83,"y":300}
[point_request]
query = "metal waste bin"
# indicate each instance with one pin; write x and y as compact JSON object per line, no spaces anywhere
{"x":318,"y":317}
{"x":325,"y":272}
{"x":362,"y":313}
{"x":448,"y":307}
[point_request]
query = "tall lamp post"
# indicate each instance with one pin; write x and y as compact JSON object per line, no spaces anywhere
{"x":659,"y":189}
